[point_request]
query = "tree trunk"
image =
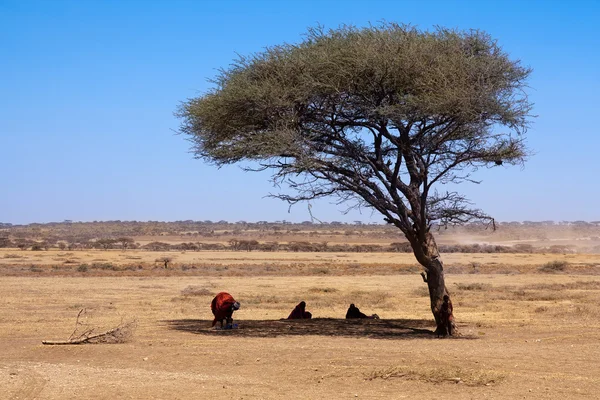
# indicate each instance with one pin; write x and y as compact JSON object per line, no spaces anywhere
{"x":436,"y":285}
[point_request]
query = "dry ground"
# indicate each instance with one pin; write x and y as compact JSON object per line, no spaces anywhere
{"x":525,"y":335}
{"x":232,"y":263}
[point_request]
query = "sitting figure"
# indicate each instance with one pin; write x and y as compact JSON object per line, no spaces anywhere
{"x":446,"y":316}
{"x":222,"y":307}
{"x":300,"y":312}
{"x":354,"y":312}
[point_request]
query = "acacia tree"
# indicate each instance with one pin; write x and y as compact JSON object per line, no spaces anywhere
{"x":382,"y":117}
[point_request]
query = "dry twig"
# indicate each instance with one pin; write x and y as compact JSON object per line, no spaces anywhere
{"x":119,"y":334}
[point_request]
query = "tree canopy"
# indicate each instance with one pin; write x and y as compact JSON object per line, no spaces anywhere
{"x":369,"y":114}
{"x":381,"y":117}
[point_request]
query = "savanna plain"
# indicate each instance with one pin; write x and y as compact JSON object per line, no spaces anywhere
{"x":529,"y":321}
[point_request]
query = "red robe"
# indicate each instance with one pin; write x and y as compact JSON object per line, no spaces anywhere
{"x":221,"y":307}
{"x":300,"y":312}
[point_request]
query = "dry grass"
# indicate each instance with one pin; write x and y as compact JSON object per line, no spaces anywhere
{"x":284,"y":263}
{"x":12,"y":255}
{"x":577,"y":285}
{"x":193,"y":290}
{"x":322,"y":290}
{"x":473,"y":286}
{"x":446,"y":374}
{"x":176,"y":354}
{"x":528,"y":324}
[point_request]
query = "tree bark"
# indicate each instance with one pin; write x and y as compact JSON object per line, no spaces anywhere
{"x":436,"y":283}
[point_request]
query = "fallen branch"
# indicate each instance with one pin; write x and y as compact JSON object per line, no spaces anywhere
{"x":119,"y":334}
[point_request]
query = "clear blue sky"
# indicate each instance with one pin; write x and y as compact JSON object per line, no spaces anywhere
{"x":88,"y":90}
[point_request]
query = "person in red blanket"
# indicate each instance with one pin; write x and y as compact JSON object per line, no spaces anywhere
{"x":223,"y":306}
{"x":300,"y":312}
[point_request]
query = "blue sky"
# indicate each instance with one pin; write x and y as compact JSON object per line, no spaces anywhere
{"x":88,"y":90}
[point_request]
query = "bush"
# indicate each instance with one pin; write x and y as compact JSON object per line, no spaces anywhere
{"x":554,"y":266}
{"x":322,"y":290}
{"x":196,"y":291}
{"x":104,"y":266}
{"x":12,"y":255}
{"x":401,"y":247}
{"x":523,"y":248}
{"x":476,"y":286}
{"x":157,"y":246}
{"x":5,"y":242}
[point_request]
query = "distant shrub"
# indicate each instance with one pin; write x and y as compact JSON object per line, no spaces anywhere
{"x":5,"y":242}
{"x":476,"y":286}
{"x":164,"y":260}
{"x":523,"y":248}
{"x":213,"y":246}
{"x":12,"y":255}
{"x":554,"y":266}
{"x":322,"y":290}
{"x":82,"y":268}
{"x":186,"y":246}
{"x":269,"y":246}
{"x":104,"y":266}
{"x":196,"y":291}
{"x":560,"y":249}
{"x":302,"y":246}
{"x":401,"y":247}
{"x":157,"y":246}
{"x":366,"y":248}
{"x":475,"y":248}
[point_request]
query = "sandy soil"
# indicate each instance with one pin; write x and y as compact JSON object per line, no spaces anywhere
{"x":527,"y":336}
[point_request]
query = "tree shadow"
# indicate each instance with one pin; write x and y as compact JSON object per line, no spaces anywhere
{"x":357,"y":328}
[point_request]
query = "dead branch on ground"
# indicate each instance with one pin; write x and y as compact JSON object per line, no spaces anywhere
{"x":119,"y":334}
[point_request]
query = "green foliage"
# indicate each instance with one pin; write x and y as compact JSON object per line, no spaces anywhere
{"x":379,"y":116}
{"x":264,"y":104}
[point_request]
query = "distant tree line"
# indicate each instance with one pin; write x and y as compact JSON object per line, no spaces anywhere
{"x":272,"y":246}
{"x":82,"y":232}
{"x":267,"y":236}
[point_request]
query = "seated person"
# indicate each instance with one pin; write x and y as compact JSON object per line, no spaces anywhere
{"x":300,"y":312}
{"x":446,"y":316}
{"x":222,"y":307}
{"x":354,"y":312}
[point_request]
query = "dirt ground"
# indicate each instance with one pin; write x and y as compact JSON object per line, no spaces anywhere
{"x":243,"y":263}
{"x":532,"y":336}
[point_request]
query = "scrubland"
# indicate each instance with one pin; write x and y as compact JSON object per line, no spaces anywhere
{"x":529,"y":326}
